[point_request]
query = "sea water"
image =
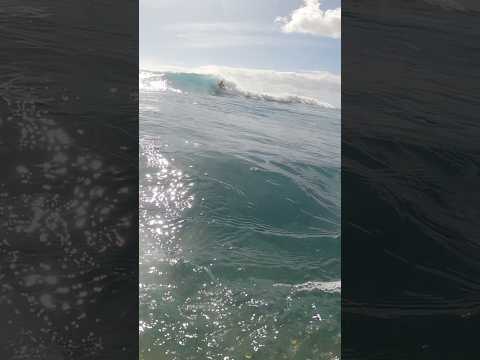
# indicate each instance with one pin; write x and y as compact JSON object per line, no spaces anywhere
{"x":239,"y":222}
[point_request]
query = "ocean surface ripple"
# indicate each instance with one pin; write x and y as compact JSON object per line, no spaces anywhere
{"x":239,"y":225}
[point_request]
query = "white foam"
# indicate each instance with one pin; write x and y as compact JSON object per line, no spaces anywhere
{"x":323,"y":286}
{"x":149,"y":81}
{"x":331,"y":287}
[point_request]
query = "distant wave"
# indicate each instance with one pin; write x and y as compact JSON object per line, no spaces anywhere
{"x":276,"y":88}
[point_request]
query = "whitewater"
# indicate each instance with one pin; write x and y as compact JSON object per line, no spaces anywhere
{"x":239,"y":214}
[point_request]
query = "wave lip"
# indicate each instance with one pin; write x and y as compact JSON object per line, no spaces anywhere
{"x":313,"y":88}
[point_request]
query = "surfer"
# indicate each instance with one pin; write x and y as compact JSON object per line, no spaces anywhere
{"x":221,"y":84}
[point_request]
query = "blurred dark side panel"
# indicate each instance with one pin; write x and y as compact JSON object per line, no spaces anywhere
{"x":69,"y":179}
{"x":410,"y":179}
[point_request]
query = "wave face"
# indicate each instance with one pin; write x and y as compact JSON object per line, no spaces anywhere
{"x":314,"y":88}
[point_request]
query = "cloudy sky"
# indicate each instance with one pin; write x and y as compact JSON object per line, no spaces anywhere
{"x":282,"y":35}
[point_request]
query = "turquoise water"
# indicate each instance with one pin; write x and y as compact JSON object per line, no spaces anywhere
{"x":240,"y":224}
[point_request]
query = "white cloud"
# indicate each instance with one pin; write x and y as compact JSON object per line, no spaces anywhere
{"x":310,"y":19}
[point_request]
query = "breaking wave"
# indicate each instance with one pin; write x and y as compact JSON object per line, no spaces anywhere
{"x":208,"y":84}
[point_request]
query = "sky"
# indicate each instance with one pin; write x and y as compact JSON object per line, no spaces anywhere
{"x":280,"y":35}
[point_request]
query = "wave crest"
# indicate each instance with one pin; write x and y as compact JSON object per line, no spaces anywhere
{"x":283,"y":88}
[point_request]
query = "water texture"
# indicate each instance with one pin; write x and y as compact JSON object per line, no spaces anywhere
{"x":239,"y":222}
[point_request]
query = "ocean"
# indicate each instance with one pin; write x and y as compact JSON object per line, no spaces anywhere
{"x":240,"y":237}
